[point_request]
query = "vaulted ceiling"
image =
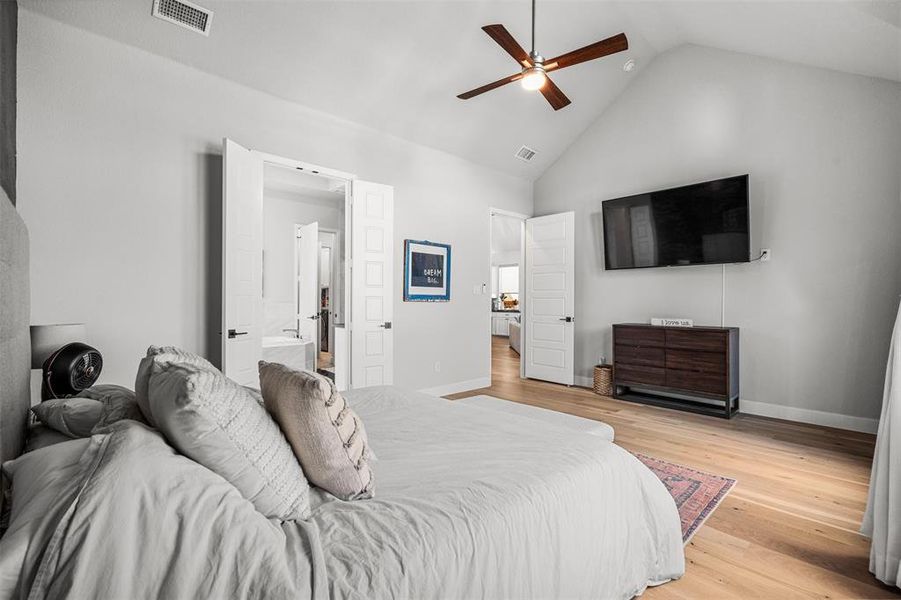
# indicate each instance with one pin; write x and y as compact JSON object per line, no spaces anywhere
{"x":397,"y":66}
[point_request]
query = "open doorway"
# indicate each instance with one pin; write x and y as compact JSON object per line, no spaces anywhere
{"x":361,"y":282}
{"x":303,"y":273}
{"x":507,"y":297}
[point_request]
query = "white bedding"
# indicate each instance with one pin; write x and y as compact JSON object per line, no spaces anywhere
{"x":467,"y":504}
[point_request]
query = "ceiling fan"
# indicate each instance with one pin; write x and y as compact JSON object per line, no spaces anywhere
{"x":535,"y":67}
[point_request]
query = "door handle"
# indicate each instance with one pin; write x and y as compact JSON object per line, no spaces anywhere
{"x":233,"y":334}
{"x":567,"y":319}
{"x":386,"y":325}
{"x":314,"y":317}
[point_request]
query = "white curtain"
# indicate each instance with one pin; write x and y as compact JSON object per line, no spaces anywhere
{"x":882,"y":521}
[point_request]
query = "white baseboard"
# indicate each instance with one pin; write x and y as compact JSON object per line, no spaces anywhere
{"x":806,"y":415}
{"x":789,"y":413}
{"x":750,"y":407}
{"x":456,"y":388}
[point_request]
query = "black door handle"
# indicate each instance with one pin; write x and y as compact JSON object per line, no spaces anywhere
{"x":567,"y":319}
{"x":233,"y":334}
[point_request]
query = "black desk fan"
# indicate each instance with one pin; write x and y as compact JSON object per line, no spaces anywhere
{"x":69,"y":370}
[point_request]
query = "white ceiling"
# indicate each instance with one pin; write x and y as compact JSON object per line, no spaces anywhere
{"x":397,"y":66}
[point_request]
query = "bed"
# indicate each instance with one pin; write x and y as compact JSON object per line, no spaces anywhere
{"x":469,"y":503}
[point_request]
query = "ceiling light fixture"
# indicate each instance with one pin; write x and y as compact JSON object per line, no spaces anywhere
{"x":629,"y":65}
{"x":533,"y":78}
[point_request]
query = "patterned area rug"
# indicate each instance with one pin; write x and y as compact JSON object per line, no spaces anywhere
{"x":697,"y":494}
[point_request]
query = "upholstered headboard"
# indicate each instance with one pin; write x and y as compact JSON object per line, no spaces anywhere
{"x":15,"y":340}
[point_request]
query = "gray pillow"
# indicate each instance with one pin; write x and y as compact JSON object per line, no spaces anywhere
{"x":161,"y":355}
{"x":74,"y":417}
{"x":327,"y":436}
{"x":119,"y":403}
{"x":219,"y":424}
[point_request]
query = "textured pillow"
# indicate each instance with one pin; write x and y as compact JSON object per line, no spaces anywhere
{"x":74,"y":417}
{"x":119,"y":403}
{"x":160,"y":356}
{"x":220,"y":425}
{"x":326,"y":434}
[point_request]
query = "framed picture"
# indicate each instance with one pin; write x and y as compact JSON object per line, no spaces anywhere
{"x":427,"y":271}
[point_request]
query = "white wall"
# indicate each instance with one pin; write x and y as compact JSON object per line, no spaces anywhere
{"x":822,"y":149}
{"x":120,"y":185}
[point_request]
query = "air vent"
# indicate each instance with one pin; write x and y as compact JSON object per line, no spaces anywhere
{"x":525,"y":154}
{"x":184,"y":14}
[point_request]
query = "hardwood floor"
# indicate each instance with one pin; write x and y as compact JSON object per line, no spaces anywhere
{"x":789,"y":527}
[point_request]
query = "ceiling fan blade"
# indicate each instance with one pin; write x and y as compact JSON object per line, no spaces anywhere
{"x":503,"y":38}
{"x":554,"y":95}
{"x":611,"y":45}
{"x":490,"y":86}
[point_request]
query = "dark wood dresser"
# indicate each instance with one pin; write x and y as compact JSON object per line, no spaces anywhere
{"x":688,"y":368}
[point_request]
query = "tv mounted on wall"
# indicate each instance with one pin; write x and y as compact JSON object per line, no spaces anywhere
{"x":699,"y":224}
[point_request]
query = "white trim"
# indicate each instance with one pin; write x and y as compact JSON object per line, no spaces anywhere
{"x":788,"y":413}
{"x":456,"y":388}
{"x":308,"y":168}
{"x":806,"y":415}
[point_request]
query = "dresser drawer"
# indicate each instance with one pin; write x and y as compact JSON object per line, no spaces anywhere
{"x":636,"y":355}
{"x":638,"y":336}
{"x":714,"y":341}
{"x":638,"y":374}
{"x":693,"y":381}
{"x":696,"y":360}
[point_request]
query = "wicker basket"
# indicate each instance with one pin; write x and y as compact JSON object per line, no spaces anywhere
{"x":603,"y":380}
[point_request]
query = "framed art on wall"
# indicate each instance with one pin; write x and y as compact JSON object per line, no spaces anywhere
{"x":426,"y":271}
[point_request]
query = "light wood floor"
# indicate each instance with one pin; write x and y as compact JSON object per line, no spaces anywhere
{"x":789,"y":527}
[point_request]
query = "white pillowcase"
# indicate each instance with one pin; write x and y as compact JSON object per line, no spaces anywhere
{"x":157,"y":357}
{"x":221,"y":425}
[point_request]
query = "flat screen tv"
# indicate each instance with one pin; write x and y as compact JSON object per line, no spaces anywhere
{"x":699,"y":224}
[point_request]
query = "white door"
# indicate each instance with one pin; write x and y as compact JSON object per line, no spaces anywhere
{"x":550,"y":298}
{"x":242,"y":269}
{"x":308,"y":285}
{"x":372,"y":294}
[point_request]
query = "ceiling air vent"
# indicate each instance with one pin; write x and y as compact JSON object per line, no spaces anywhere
{"x":184,"y":14}
{"x":525,"y":154}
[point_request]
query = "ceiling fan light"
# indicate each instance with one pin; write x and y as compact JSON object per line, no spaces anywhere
{"x":533,"y":79}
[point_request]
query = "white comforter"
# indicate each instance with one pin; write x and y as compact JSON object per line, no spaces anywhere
{"x":468,"y":504}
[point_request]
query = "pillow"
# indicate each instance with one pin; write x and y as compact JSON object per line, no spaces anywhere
{"x":161,"y":355}
{"x":327,"y":436}
{"x":74,"y":417}
{"x":43,"y":484}
{"x":220,"y":425}
{"x":119,"y":403}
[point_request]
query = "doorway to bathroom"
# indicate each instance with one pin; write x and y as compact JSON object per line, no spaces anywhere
{"x":303,"y":267}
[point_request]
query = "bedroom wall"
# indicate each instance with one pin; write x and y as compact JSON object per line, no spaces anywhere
{"x":823,"y":150}
{"x":120,"y":162}
{"x":8,"y":35}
